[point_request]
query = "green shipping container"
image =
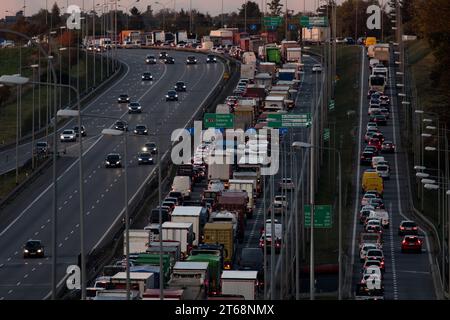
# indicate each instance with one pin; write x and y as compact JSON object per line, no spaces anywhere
{"x":214,"y":269}
{"x":153,"y":260}
{"x":273,"y":55}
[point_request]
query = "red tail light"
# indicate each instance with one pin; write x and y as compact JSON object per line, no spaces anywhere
{"x":414,"y":228}
{"x":404,"y":242}
{"x":227,"y":266}
{"x":402,"y":228}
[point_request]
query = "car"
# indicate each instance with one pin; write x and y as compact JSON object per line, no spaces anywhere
{"x":121,"y":125}
{"x":171,"y":95}
{"x":372,"y":125}
{"x":175,"y":200}
{"x":210,"y":58}
{"x":380,"y":119}
{"x":371,"y":92}
{"x":33,"y":248}
{"x":376,"y":160}
{"x":113,"y":160}
{"x":373,"y":110}
{"x":340,"y":40}
{"x":376,"y":254}
{"x":372,"y":149}
{"x":387,"y":147}
{"x":408,"y":227}
{"x":366,"y":157}
{"x":141,"y":129}
{"x":369,"y":135}
{"x":278,"y":208}
{"x":383,"y":171}
{"x":163,"y":55}
{"x":150,"y":147}
{"x":317,"y":68}
{"x":370,"y":263}
{"x":169,"y":204}
{"x":385,"y":111}
{"x":169,"y":60}
{"x":364,"y":215}
{"x":41,"y":148}
{"x":145,"y":158}
{"x":266,"y":240}
{"x":150,"y":59}
{"x":366,"y":197}
{"x":123,"y":98}
{"x":147,"y":76}
{"x":361,"y":40}
{"x":286,"y":184}
{"x":375,"y":142}
{"x":176,"y":195}
{"x":180,"y":86}
{"x":68,"y":135}
{"x":373,"y":228}
{"x":83,"y":131}
{"x":349,"y":40}
{"x":411,"y":243}
{"x":282,"y":199}
{"x":134,"y":107}
{"x":252,"y":259}
{"x":191,"y":60}
{"x":379,"y":136}
{"x":365,"y":248}
{"x":377,"y":203}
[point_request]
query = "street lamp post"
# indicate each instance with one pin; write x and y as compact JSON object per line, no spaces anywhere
{"x":297,"y":144}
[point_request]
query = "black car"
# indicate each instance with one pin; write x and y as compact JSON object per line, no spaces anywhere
{"x":147,"y":76}
{"x":41,"y":148}
{"x":211,"y":58}
{"x":252,"y":259}
{"x":134,"y":107}
{"x":176,"y":195}
{"x":169,"y":60}
{"x":123,"y":98}
{"x":372,"y":149}
{"x":407,"y":227}
{"x":140,"y":129}
{"x":150,"y":147}
{"x":349,"y":40}
{"x":370,"y":92}
{"x":113,"y":160}
{"x":171,"y":95}
{"x":150,"y":60}
{"x":163,"y":55}
{"x":145,"y":158}
{"x":33,"y":248}
{"x":180,"y":86}
{"x":380,"y":119}
{"x":191,"y":60}
{"x":366,"y":157}
{"x":121,"y":125}
{"x":83,"y":131}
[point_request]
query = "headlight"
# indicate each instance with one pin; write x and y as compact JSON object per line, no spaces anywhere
{"x":145,"y":130}
{"x":62,"y":137}
{"x":144,"y":149}
{"x":167,"y":95}
{"x":143,"y":77}
{"x":107,"y":162}
{"x":176,"y":96}
{"x":26,"y":251}
{"x":140,"y":159}
{"x":135,"y":131}
{"x":139,"y":107}
{"x":39,"y":250}
{"x":184,"y":87}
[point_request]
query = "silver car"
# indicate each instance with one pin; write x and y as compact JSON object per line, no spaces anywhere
{"x":383,"y":171}
{"x":68,"y":135}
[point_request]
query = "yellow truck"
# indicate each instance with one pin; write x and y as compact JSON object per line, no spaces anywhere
{"x":221,"y":233}
{"x":372,"y":181}
{"x":370,"y":41}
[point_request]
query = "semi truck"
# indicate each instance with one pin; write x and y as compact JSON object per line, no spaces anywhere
{"x":248,"y":186}
{"x":248,"y":71}
{"x":179,"y":231}
{"x":274,"y":103}
{"x":145,"y":259}
{"x":381,"y":52}
{"x":236,"y":203}
{"x":219,"y":171}
{"x":294,"y":54}
{"x":221,"y":233}
{"x":286,"y":74}
{"x":139,"y":240}
{"x":214,"y":270}
{"x":189,"y":215}
{"x":273,"y":54}
{"x":192,"y":277}
{"x":244,"y":116}
{"x":240,"y":283}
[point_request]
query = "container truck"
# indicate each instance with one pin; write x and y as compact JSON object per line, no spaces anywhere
{"x":139,"y":240}
{"x":220,"y":171}
{"x":294,"y":54}
{"x":172,"y":248}
{"x":179,"y":231}
{"x":214,"y":270}
{"x":181,"y":37}
{"x":244,"y":117}
{"x":267,"y":67}
{"x":211,"y":249}
{"x":192,"y":278}
{"x":221,"y":233}
{"x":189,"y":215}
{"x":148,"y":268}
{"x":145,"y":259}
{"x":249,"y":58}
{"x":286,"y":74}
{"x":256,"y":91}
{"x":248,"y":186}
{"x":248,"y":71}
{"x":235,"y":202}
{"x":274,"y":103}
{"x":264,"y":79}
{"x":381,"y":52}
{"x":182,"y":184}
{"x":222,"y":109}
{"x":240,"y":283}
{"x":285,"y":45}
{"x":273,"y":55}
{"x":139,"y":281}
{"x":168,"y":294}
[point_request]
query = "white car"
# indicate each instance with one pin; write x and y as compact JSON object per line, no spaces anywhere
{"x":366,"y":247}
{"x":383,"y":171}
{"x":317,"y":68}
{"x":382,"y":215}
{"x":373,"y":110}
{"x":282,"y":199}
{"x":68,"y":135}
{"x":375,"y":161}
{"x":366,"y":197}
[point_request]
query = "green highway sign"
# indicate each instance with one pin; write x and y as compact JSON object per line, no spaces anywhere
{"x":272,"y":21}
{"x":331,"y":105}
{"x":289,"y":120}
{"x":326,"y":134}
{"x":322,"y":216}
{"x":218,"y":120}
{"x":309,"y":22}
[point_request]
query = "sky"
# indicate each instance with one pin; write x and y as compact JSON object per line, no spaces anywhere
{"x":212,"y":6}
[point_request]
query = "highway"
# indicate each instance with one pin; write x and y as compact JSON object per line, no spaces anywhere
{"x":29,"y":216}
{"x":408,"y":275}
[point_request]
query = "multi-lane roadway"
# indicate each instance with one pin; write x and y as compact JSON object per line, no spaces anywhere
{"x":29,"y":216}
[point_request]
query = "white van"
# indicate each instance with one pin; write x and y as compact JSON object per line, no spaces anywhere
{"x":182,"y":184}
{"x":382,"y":215}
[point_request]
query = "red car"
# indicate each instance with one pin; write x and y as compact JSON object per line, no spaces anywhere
{"x":375,"y":142}
{"x":412,"y":243}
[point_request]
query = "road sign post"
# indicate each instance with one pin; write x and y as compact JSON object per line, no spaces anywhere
{"x":326,"y":134}
{"x":322,"y":216}
{"x":289,"y":120}
{"x":331,"y":105}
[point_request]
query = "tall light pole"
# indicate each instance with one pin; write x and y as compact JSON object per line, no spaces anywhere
{"x":190,"y":16}
{"x":298,"y":145}
{"x":245,"y":15}
{"x":163,"y":12}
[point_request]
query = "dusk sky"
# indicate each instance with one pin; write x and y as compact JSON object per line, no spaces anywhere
{"x":211,"y":6}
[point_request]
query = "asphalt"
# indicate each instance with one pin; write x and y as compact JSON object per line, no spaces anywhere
{"x":408,"y":275}
{"x":29,"y":216}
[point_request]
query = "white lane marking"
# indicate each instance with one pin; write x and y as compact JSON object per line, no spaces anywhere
{"x":2,"y":298}
{"x":33,"y":269}
{"x":66,"y":238}
{"x":97,"y":201}
{"x":10,"y":291}
{"x":107,"y":190}
{"x":48,"y":220}
{"x":70,"y":197}
{"x":18,"y":283}
{"x":9,"y":259}
{"x":65,"y":202}
{"x":60,"y":208}
{"x":36,"y":233}
{"x":43,"y":226}
{"x":415,"y":272}
{"x":88,"y":213}
{"x":40,"y":263}
{"x":93,"y":207}
{"x":25,"y":276}
{"x":102,"y":195}
{"x":1,"y":265}
{"x":393,"y":265}
{"x":15,"y":253}
{"x":60,"y":245}
{"x":71,"y":232}
{"x":358,"y":171}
